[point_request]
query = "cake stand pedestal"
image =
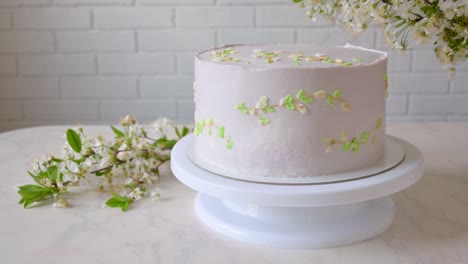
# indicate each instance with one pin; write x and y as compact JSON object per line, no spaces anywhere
{"x":297,"y":216}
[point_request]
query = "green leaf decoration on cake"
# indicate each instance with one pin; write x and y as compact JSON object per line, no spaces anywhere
{"x":355,"y":143}
{"x":320,"y":57}
{"x":224,"y":55}
{"x":213,"y":127}
{"x":267,"y":56}
{"x":291,"y":103}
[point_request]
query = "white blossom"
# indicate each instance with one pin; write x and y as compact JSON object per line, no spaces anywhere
{"x":136,"y":194}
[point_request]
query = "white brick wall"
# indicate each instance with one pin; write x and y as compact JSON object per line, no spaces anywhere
{"x":91,"y":61}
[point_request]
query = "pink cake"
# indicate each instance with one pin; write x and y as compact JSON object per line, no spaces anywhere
{"x":288,"y":111}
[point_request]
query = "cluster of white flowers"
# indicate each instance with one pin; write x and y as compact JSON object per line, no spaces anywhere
{"x":129,"y":164}
{"x":444,"y":22}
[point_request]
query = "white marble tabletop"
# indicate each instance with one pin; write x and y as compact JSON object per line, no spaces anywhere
{"x":431,"y":224}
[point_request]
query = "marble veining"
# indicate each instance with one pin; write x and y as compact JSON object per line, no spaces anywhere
{"x":431,"y":224}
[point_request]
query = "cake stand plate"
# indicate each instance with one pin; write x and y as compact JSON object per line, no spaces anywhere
{"x":394,"y":154}
{"x":298,"y":216}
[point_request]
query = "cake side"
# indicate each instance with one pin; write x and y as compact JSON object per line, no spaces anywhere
{"x":302,"y":117}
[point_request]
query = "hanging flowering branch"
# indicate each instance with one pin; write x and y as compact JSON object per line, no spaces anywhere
{"x":444,"y":22}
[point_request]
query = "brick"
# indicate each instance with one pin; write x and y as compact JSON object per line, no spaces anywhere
{"x":95,"y":41}
{"x":250,"y":2}
{"x":50,"y":18}
{"x":173,"y":86}
{"x":186,"y":109}
{"x":61,"y":110}
{"x":175,"y":40}
{"x":459,"y":84}
{"x":397,"y":105}
{"x":142,"y":109}
{"x":335,"y":36}
{"x":399,"y":62}
{"x":16,"y":3}
{"x":7,"y":65}
{"x":286,"y":16}
{"x":133,"y":17}
{"x":251,"y":36}
{"x":5,"y":21}
{"x":92,"y":2}
{"x":416,"y":118}
{"x":214,"y":16}
{"x":439,"y":104}
{"x":10,"y":110}
{"x":136,"y":64}
{"x":417,"y":83}
{"x":172,"y":2}
{"x":25,"y":88}
{"x":185,"y":63}
{"x":26,"y":41}
{"x":56,"y":64}
{"x":99,"y":87}
{"x":425,"y":60}
{"x":457,"y":118}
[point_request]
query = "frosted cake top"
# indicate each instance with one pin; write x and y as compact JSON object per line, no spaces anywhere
{"x":291,"y":56}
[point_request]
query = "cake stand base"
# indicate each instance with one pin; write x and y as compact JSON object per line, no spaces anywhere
{"x":297,"y":216}
{"x":297,"y":227}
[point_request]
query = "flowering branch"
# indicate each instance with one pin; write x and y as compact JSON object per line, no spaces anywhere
{"x":129,"y":164}
{"x":444,"y":22}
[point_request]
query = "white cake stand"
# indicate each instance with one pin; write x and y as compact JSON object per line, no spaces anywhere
{"x":297,"y":216}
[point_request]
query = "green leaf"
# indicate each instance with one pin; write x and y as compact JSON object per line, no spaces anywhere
{"x":32,"y":193}
{"x":118,"y":133}
{"x":336,"y":94}
{"x":288,"y":99}
{"x":300,"y":94}
{"x":52,"y":173}
{"x":177,"y":132}
{"x":364,"y":137}
{"x":103,"y":172}
{"x":295,"y":63}
{"x":241,"y":107}
{"x":35,"y":178}
{"x":199,"y":129}
{"x":330,"y":101}
{"x":379,"y":123}
{"x":74,"y":140}
{"x":164,"y":143}
{"x":125,"y":206}
{"x":120,"y":198}
{"x":54,"y":159}
{"x":112,"y":202}
{"x":356,"y":147}
{"x":230,"y":144}
{"x":270,"y":109}
{"x":264,"y":120}
{"x":185,"y":131}
{"x":221,"y":132}
{"x":290,"y":106}
{"x":307,"y":99}
{"x":297,"y":1}
{"x":347,"y":146}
